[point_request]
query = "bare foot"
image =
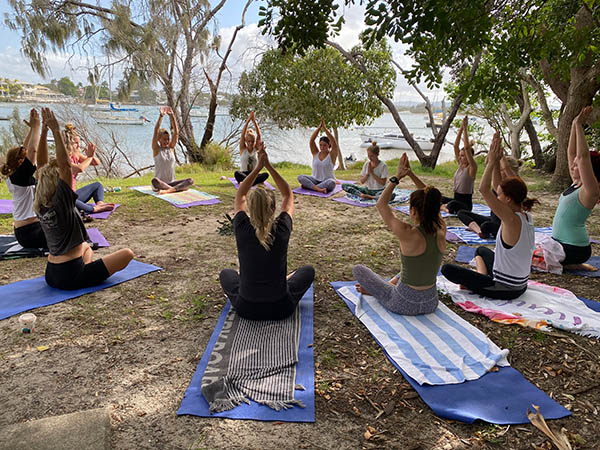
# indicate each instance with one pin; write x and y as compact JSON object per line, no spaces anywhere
{"x":444,"y":208}
{"x":587,"y":267}
{"x":318,"y":189}
{"x":361,"y":289}
{"x":474,"y":227}
{"x":166,"y":191}
{"x":101,"y":207}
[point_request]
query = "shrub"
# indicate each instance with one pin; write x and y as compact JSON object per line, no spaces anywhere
{"x":217,"y":156}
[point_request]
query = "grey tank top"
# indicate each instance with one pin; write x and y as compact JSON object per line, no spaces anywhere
{"x":164,"y":165}
{"x":463,"y":182}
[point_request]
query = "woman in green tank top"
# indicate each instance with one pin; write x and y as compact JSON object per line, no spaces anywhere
{"x":422,"y":245}
{"x":577,"y":202}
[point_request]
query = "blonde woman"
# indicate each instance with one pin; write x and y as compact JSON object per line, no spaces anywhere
{"x":163,"y":150}
{"x":262,"y":290}
{"x":80,"y":161}
{"x":324,"y":157}
{"x":248,"y":157}
{"x":70,"y":264}
{"x":19,"y":168}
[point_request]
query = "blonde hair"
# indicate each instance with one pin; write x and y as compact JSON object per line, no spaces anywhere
{"x":261,"y":206}
{"x":13,"y":156}
{"x":47,"y":181}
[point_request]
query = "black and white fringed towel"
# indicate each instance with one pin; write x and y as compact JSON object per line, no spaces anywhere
{"x":255,"y":360}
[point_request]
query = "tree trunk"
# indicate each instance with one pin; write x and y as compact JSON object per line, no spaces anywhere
{"x":536,"y":148}
{"x":212,"y":113}
{"x":341,"y":162}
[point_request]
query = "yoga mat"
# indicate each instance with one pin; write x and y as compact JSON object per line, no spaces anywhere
{"x":465,"y":254}
{"x":338,"y":187}
{"x":6,"y":206}
{"x":97,"y":238}
{"x":401,"y":194}
{"x":11,"y":249}
{"x":469,"y":237}
{"x":500,"y":397}
{"x":104,"y":214}
{"x":193,"y":402}
{"x":24,"y":295}
{"x":184,"y":199}
{"x":478,"y":208}
{"x":237,"y":185}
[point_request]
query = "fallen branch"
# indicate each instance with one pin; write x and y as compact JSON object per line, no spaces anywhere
{"x":137,"y":171}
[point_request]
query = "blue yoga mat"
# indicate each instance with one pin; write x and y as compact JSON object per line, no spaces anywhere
{"x":29,"y":294}
{"x":193,"y":402}
{"x":465,"y":254}
{"x":500,"y":397}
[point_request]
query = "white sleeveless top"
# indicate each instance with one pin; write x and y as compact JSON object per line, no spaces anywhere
{"x":322,"y":170}
{"x":512,"y":265}
{"x":22,"y":200}
{"x":248,"y":161}
{"x":164,"y":165}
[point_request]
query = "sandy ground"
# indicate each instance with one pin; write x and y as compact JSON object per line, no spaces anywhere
{"x":133,"y":348}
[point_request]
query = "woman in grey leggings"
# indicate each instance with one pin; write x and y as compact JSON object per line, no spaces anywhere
{"x":422,"y":245}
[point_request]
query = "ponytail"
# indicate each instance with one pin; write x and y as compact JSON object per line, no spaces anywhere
{"x":14,"y":158}
{"x":427,"y":204}
{"x":261,"y":206}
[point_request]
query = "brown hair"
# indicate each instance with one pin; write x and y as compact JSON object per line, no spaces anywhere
{"x":261,"y":206}
{"x":373,"y":148}
{"x":426,"y":203}
{"x":14,"y":158}
{"x":516,"y":189}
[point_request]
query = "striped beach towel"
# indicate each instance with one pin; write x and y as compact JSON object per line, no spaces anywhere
{"x":437,"y":348}
{"x":255,"y":360}
{"x":469,"y":237}
{"x":478,"y":208}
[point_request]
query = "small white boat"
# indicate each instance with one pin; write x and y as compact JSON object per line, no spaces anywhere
{"x":113,"y":119}
{"x":394,"y":140}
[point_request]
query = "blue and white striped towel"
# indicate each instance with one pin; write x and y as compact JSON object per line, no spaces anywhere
{"x":478,"y":208}
{"x":436,"y":348}
{"x":470,"y":237}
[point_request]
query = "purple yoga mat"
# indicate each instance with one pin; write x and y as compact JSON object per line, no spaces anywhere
{"x":97,"y":238}
{"x":338,"y":187}
{"x":104,"y":214}
{"x":6,"y":206}
{"x":237,"y":185}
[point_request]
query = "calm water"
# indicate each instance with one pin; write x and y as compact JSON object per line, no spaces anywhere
{"x":282,"y":145}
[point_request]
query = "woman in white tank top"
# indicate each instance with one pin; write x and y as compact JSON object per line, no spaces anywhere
{"x":502,"y":274}
{"x":163,"y":150}
{"x":324,"y":157}
{"x":248,"y":153}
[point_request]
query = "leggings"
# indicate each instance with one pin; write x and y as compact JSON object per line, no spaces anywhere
{"x":575,"y":254}
{"x":74,"y":274}
{"x":86,"y":193}
{"x":241,"y":176}
{"x":179,"y":185}
{"x":400,"y":299}
{"x":356,"y":190}
{"x":308,"y":182}
{"x":297,"y":285}
{"x":479,"y":283}
{"x":489,"y":224}
{"x":31,"y":236}
{"x":460,"y":201}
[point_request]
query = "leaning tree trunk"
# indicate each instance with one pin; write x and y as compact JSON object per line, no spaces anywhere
{"x":212,"y":113}
{"x":536,"y":148}
{"x":341,"y":162}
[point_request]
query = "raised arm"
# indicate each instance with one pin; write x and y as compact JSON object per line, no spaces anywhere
{"x":243,"y":136}
{"x":415,"y":179}
{"x":457,"y":141}
{"x":33,"y":135}
{"x":62,"y":156}
{"x":312,"y":144}
{"x":333,"y":154}
{"x":42,"y":153}
{"x":468,"y":150}
{"x":287,"y":196}
{"x":174,"y":129}
{"x":256,"y":127}
{"x":239,"y":203}
{"x":398,"y":227}
{"x":155,"y":148}
{"x":502,"y":210}
{"x":590,"y":191}
{"x":572,"y":147}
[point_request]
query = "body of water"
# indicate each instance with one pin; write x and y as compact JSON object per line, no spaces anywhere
{"x":282,"y":145}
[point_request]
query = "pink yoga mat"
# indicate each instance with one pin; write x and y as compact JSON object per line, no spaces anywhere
{"x":237,"y":185}
{"x":338,"y":187}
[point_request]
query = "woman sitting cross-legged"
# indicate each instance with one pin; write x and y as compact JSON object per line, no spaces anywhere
{"x":422,"y":245}
{"x":163,"y":150}
{"x":322,"y":178}
{"x":248,"y":158}
{"x":262,"y":290}
{"x":70,"y":264}
{"x":502,"y":274}
{"x":374,"y":174}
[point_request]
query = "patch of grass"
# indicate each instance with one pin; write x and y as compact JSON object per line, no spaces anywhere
{"x":539,"y":337}
{"x":197,"y":308}
{"x":329,"y":359}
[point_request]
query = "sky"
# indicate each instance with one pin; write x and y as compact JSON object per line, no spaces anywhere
{"x":248,"y":46}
